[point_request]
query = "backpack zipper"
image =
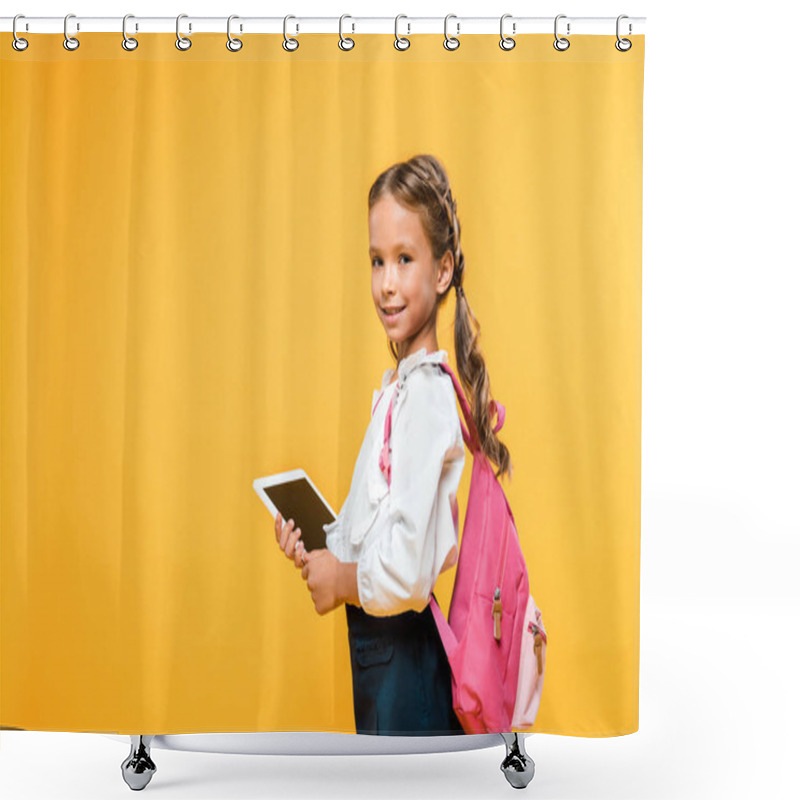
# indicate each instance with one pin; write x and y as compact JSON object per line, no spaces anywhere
{"x":538,"y":637}
{"x":497,"y":605}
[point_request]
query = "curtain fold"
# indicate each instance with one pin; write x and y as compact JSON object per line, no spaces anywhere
{"x":185,"y":305}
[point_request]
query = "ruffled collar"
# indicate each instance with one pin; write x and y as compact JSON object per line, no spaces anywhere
{"x":414,"y":360}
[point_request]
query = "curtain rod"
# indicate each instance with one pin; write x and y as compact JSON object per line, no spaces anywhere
{"x":456,"y":26}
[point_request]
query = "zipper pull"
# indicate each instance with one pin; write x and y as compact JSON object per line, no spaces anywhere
{"x":497,"y":612}
{"x":537,"y":646}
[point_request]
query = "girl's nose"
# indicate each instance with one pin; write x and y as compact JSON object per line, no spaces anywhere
{"x":389,"y":278}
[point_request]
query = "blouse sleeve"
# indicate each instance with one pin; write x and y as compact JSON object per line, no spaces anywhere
{"x":398,"y":570}
{"x":334,"y":539}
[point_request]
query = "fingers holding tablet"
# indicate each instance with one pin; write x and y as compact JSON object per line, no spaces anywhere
{"x":295,"y":493}
{"x":288,"y":538}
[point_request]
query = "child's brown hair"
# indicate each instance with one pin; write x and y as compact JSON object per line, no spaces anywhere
{"x":421,"y":184}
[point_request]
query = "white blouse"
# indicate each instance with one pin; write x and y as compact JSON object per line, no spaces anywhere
{"x":403,"y":536}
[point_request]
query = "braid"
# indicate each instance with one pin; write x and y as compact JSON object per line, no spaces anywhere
{"x":454,"y":240}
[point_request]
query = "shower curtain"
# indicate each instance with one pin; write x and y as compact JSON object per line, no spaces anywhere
{"x":186,"y":305}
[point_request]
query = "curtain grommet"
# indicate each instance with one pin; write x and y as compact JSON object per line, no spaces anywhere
{"x":182,"y":42}
{"x":561,"y":43}
{"x":71,"y":42}
{"x":451,"y":42}
{"x":233,"y":44}
{"x":400,"y":42}
{"x":623,"y":48}
{"x":129,"y":43}
{"x":346,"y":43}
{"x":290,"y":44}
{"x":507,"y":42}
{"x":17,"y":42}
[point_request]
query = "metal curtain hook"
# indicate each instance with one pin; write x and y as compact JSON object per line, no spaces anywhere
{"x":182,"y":42}
{"x":288,"y":39}
{"x":451,"y":42}
{"x":623,"y":48}
{"x":128,"y":42}
{"x":560,"y":42}
{"x":233,"y":44}
{"x":506,"y":42}
{"x":400,"y":42}
{"x":18,"y":43}
{"x":345,"y":42}
{"x":70,"y":42}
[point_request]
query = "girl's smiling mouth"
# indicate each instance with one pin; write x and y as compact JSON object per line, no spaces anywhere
{"x":391,"y":313}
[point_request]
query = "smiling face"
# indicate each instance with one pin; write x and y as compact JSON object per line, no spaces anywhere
{"x":405,"y":276}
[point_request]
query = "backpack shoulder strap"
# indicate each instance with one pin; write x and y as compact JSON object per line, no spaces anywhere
{"x":446,"y":634}
{"x":470,"y":433}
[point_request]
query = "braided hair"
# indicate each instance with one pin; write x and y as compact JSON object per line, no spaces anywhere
{"x":421,"y":183}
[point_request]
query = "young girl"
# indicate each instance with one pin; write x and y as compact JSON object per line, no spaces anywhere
{"x":391,"y":541}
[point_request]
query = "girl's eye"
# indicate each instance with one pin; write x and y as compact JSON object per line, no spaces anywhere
{"x":402,"y":255}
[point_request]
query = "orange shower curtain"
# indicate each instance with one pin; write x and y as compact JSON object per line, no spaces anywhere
{"x":185,"y":306}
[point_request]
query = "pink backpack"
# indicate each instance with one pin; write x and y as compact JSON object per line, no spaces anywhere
{"x":495,"y":640}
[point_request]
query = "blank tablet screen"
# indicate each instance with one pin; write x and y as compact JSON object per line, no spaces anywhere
{"x":297,"y":500}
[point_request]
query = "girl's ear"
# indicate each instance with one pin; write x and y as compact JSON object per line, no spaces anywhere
{"x":445,"y":271}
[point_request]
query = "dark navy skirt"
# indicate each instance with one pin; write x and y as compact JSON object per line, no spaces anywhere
{"x":401,"y":675}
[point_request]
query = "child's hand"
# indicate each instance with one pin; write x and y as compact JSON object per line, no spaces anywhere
{"x":320,"y":572}
{"x":288,"y":537}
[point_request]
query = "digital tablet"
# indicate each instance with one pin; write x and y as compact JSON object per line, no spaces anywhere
{"x":294,"y":495}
